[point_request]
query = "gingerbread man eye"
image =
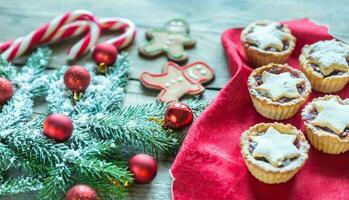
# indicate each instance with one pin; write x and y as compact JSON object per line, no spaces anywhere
{"x":203,"y":72}
{"x":198,"y":67}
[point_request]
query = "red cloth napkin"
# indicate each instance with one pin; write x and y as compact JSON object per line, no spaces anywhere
{"x":209,"y":164}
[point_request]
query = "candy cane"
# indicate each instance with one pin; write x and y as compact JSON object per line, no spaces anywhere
{"x":79,"y":27}
{"x":119,"y":24}
{"x":107,"y":24}
{"x":43,"y":34}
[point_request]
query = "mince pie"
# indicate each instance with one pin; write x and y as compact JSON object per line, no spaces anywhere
{"x":326,"y":64}
{"x":267,"y":42}
{"x":278,"y":91}
{"x":274,"y":152}
{"x":326,"y":122}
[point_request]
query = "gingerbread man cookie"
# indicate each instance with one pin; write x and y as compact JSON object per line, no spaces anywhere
{"x":170,"y":40}
{"x":175,"y":81}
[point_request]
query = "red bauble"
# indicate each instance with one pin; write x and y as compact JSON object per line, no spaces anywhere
{"x":77,"y":78}
{"x":178,"y":115}
{"x":58,"y":127}
{"x":104,"y":54}
{"x":143,"y":167}
{"x":6,"y":91}
{"x":81,"y":192}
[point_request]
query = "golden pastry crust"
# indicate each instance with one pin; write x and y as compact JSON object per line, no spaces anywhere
{"x":319,"y":82}
{"x":258,"y":57}
{"x":264,"y":171}
{"x":274,"y":109}
{"x":323,"y":140}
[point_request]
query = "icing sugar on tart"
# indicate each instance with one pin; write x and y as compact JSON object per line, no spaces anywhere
{"x":275,"y":147}
{"x":280,"y":85}
{"x":267,"y":36}
{"x":330,"y":56}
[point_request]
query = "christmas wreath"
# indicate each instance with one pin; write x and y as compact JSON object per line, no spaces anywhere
{"x":88,"y":135}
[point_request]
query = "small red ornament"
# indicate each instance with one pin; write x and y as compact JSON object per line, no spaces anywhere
{"x":104,"y":55}
{"x":178,"y":115}
{"x":143,"y":167}
{"x":58,"y":127}
{"x":81,"y":192}
{"x":6,"y":91}
{"x":77,"y":79}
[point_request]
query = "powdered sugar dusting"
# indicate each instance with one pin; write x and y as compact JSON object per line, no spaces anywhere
{"x":280,"y":85}
{"x":267,"y":36}
{"x":275,"y":147}
{"x":330,"y":55}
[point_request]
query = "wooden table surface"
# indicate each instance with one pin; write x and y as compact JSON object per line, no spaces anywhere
{"x":208,"y":19}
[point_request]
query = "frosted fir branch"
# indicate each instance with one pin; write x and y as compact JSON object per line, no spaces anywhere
{"x":28,"y":83}
{"x":102,"y":170}
{"x":140,"y":134}
{"x":40,"y":59}
{"x":7,"y":70}
{"x":57,"y":183}
{"x":104,"y":93}
{"x":132,"y":126}
{"x":99,"y":149}
{"x":28,"y":141}
{"x":20,"y":185}
{"x":7,"y":157}
{"x":9,"y":160}
{"x":30,"y":77}
{"x":18,"y":109}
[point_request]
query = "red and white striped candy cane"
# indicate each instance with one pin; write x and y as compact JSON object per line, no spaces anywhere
{"x":44,"y":34}
{"x":119,"y":24}
{"x":93,"y":31}
{"x":123,"y":25}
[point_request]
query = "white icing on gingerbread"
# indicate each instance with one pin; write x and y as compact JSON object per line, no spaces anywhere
{"x":203,"y":72}
{"x":198,"y":67}
{"x":332,"y":115}
{"x":275,"y":147}
{"x":279,"y":85}
{"x":192,"y":75}
{"x":267,"y":35}
{"x":330,"y":55}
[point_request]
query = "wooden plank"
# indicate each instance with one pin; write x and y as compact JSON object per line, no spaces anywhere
{"x":203,"y":15}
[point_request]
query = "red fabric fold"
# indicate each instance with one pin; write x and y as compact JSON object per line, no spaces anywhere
{"x":209,"y":164}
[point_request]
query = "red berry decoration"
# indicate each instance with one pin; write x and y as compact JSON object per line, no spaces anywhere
{"x":104,"y":55}
{"x":178,"y":115}
{"x":58,"y":127}
{"x":77,"y":79}
{"x":143,"y":167}
{"x":81,"y":192}
{"x":6,"y":91}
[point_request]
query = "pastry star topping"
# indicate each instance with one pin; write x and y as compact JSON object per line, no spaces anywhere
{"x":279,"y":85}
{"x":332,"y":115}
{"x":275,"y":147}
{"x":267,"y":36}
{"x":330,"y":56}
